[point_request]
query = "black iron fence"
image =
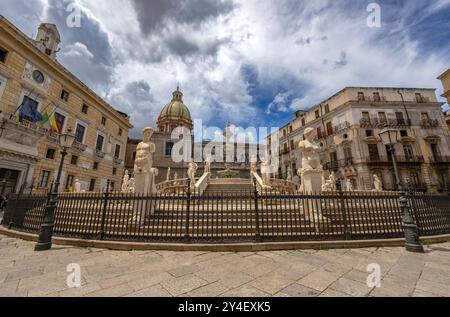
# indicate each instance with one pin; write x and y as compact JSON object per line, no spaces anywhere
{"x":220,"y":217}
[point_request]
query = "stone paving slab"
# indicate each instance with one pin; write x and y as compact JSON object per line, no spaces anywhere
{"x":297,"y":273}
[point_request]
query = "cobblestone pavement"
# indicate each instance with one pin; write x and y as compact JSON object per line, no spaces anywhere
{"x":254,"y":274}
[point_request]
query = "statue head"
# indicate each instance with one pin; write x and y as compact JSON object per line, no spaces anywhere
{"x":147,"y":134}
{"x":308,"y":133}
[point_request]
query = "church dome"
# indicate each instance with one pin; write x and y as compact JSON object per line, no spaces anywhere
{"x":174,"y":114}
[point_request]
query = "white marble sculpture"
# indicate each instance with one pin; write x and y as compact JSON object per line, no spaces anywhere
{"x":265,"y":172}
{"x":168,"y":174}
{"x":77,"y":186}
{"x":207,"y":168}
{"x":332,"y":181}
{"x":192,"y":170}
{"x":289,"y":174}
{"x":377,"y":184}
{"x":144,"y":172}
{"x":349,"y":185}
{"x":125,"y":182}
{"x":311,"y":170}
{"x":253,"y":164}
{"x":131,"y":186}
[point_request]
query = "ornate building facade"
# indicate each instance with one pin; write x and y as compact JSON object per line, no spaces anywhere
{"x":347,"y":126}
{"x":32,"y":77}
{"x":176,"y":114}
{"x":445,"y":78}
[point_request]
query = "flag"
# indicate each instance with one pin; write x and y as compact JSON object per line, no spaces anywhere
{"x":28,"y":110}
{"x":45,"y":118}
{"x":54,"y":124}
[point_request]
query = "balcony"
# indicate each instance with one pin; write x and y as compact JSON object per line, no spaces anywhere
{"x":335,"y":165}
{"x":381,"y":123}
{"x":415,"y":159}
{"x":79,"y":147}
{"x":339,"y":129}
{"x":439,"y":159}
{"x":99,"y":154}
{"x":429,"y":123}
{"x":117,"y":161}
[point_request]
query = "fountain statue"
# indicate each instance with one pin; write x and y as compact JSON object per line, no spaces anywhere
{"x":378,"y":185}
{"x":125,"y":182}
{"x":311,"y":170}
{"x":144,"y":172}
{"x":192,"y":170}
{"x":168,"y":174}
{"x":77,"y":186}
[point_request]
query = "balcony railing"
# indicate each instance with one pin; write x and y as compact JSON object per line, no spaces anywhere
{"x":381,"y":123}
{"x":335,"y":165}
{"x":99,"y":153}
{"x":117,"y":161}
{"x":429,"y":123}
{"x":78,"y":146}
{"x":439,"y":159}
{"x":417,"y":159}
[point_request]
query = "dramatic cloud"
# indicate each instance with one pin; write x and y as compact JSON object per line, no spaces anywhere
{"x":252,"y":62}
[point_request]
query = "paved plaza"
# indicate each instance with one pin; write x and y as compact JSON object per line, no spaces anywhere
{"x":278,"y":273}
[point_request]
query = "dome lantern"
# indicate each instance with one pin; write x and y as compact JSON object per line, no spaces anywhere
{"x":174,"y":114}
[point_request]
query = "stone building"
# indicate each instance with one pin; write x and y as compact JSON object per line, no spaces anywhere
{"x":31,"y":76}
{"x":347,"y":127}
{"x":176,"y":114}
{"x":445,"y":78}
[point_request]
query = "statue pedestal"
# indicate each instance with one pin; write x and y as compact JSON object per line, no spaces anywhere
{"x":145,"y":185}
{"x":312,"y":184}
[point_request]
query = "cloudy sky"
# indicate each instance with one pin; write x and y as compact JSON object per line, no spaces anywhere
{"x":252,"y":62}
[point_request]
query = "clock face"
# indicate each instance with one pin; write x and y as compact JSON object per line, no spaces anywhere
{"x":38,"y":76}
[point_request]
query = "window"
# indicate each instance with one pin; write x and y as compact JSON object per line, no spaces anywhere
{"x":284,"y":133}
{"x":99,"y":144}
{"x":95,"y":167}
{"x":348,"y":152}
{"x":403,"y":133}
{"x":333,"y":157}
{"x":361,"y":96}
{"x":43,"y":182}
{"x":419,"y":98}
{"x":103,"y":121}
{"x":329,"y":128}
{"x":117,"y":151}
{"x":369,"y":133}
{"x":134,"y":156}
{"x":425,"y":116}
{"x":74,"y":160}
{"x":79,"y":133}
{"x":92,"y":185}
{"x":327,"y":108}
{"x":400,"y":118}
{"x":111,"y":185}
{"x":303,"y":122}
{"x":376,"y":97}
{"x":382,"y":117}
{"x":374,"y":155}
{"x":168,"y":150}
{"x":408,"y":150}
{"x":2,"y":85}
{"x":50,"y":154}
{"x":31,"y":105}
{"x":120,"y":132}
{"x":3,"y":54}
{"x":319,"y":133}
{"x":85,"y":108}
{"x":435,"y":152}
{"x":64,"y":95}
{"x":292,"y":145}
{"x":114,"y":171}
{"x":69,"y":181}
{"x":290,"y":129}
{"x":317,"y":114}
{"x":60,"y":120}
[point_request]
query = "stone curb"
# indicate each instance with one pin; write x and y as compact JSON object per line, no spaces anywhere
{"x":224,"y":247}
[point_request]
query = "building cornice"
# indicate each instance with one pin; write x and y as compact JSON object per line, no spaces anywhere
{"x":60,"y":69}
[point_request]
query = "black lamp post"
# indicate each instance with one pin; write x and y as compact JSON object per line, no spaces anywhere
{"x":45,"y":235}
{"x":389,"y":137}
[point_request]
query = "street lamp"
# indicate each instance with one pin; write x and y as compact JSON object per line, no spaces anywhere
{"x":390,"y":137}
{"x":45,"y":235}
